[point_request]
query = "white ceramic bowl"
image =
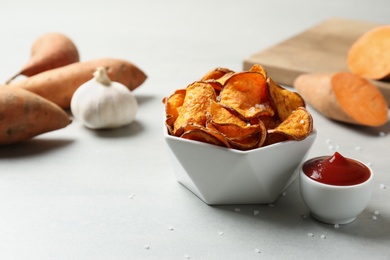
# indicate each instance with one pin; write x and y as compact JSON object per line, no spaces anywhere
{"x":335,"y":204}
{"x":220,"y":175}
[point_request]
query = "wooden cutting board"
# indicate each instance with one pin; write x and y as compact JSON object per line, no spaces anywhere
{"x":322,"y":48}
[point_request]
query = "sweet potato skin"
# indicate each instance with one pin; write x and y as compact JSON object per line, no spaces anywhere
{"x":316,"y":89}
{"x":58,"y":85}
{"x":24,"y":115}
{"x":49,"y":51}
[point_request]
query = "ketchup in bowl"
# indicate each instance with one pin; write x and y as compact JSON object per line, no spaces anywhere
{"x":336,"y":170}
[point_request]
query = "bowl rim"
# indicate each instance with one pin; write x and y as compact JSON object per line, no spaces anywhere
{"x":303,"y":175}
{"x":313,"y":134}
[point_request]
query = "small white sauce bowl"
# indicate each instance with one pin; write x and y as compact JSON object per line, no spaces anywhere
{"x":335,"y":204}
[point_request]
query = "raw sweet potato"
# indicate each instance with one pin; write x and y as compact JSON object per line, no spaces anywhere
{"x":369,"y":56}
{"x":58,"y":85}
{"x":344,"y":96}
{"x":49,"y":51}
{"x":24,"y":115}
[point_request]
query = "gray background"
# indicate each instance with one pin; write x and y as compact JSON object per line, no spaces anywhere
{"x":81,"y":194}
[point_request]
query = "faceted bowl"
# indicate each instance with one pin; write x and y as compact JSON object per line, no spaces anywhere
{"x":219,"y":175}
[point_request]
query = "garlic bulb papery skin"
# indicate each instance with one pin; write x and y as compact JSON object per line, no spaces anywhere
{"x":103,"y":104}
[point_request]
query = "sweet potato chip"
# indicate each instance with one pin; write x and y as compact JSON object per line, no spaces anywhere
{"x":297,"y":126}
{"x":246,"y":94}
{"x":229,"y":124}
{"x":270,"y":122}
{"x":217,"y":78}
{"x":220,"y":115}
{"x":248,"y":143}
{"x":285,"y":101}
{"x":235,"y":131}
{"x":252,"y":141}
{"x":174,"y":102}
{"x":222,"y":80}
{"x":259,"y":69}
{"x":172,"y":106}
{"x":206,"y":136}
{"x":216,"y":73}
{"x":239,"y":110}
{"x":197,"y":99}
{"x":273,"y":138}
{"x":216,"y":85}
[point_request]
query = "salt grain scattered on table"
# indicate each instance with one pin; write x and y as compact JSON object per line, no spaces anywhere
{"x":382,"y":186}
{"x":332,"y":146}
{"x":382,"y":134}
{"x":170,"y":228}
{"x":310,"y":234}
{"x":323,"y":236}
{"x":237,"y":210}
{"x":131,"y":196}
{"x":376,"y":212}
{"x":336,"y":225}
{"x":187,"y":257}
{"x":220,"y":233}
{"x":146,"y":246}
{"x":257,"y":251}
{"x":256,"y":212}
{"x":374,"y":217}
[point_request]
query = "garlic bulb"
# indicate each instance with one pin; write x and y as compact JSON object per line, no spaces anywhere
{"x":103,"y":104}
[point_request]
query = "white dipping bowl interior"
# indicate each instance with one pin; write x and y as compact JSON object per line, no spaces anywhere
{"x":335,"y":204}
{"x":219,"y":175}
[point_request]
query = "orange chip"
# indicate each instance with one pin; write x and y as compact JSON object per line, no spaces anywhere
{"x":297,"y":126}
{"x":246,"y":94}
{"x":225,"y":77}
{"x":174,"y":102}
{"x":221,"y":115}
{"x":222,"y":120}
{"x":252,"y":141}
{"x":248,"y":143}
{"x":216,"y":73}
{"x":172,"y":105}
{"x":169,"y":121}
{"x":218,"y":77}
{"x":273,"y":138}
{"x":235,"y":131}
{"x":205,"y":135}
{"x":244,"y":110}
{"x":270,"y":122}
{"x":197,"y":99}
{"x":216,"y":84}
{"x":285,"y":101}
{"x":258,"y":68}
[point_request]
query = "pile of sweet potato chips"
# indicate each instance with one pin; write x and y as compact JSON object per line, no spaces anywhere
{"x":240,"y":110}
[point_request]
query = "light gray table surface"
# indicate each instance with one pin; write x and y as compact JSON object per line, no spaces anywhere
{"x":81,"y":194}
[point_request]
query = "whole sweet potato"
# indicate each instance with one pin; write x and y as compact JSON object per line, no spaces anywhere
{"x":58,"y":85}
{"x":24,"y":115}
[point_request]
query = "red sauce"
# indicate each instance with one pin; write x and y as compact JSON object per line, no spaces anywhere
{"x":336,"y":170}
